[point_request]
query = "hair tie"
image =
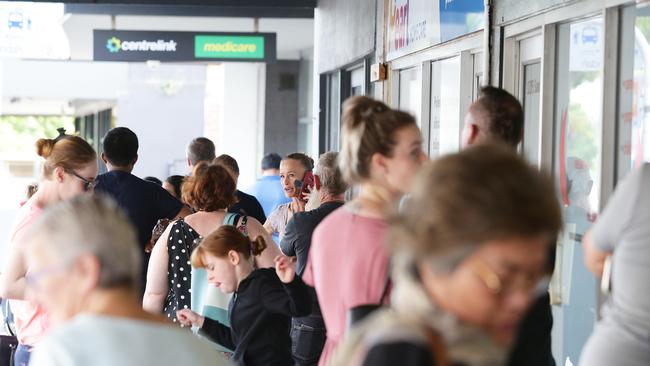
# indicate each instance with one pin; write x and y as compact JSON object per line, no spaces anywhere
{"x":62,"y":134}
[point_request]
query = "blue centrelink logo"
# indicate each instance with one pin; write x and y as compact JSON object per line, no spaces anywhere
{"x":114,"y":45}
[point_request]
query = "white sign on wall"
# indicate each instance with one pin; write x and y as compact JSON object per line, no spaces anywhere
{"x":413,"y":25}
{"x":32,"y":30}
{"x":586,"y":51}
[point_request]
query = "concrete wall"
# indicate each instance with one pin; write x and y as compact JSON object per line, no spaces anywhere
{"x":281,"y":114}
{"x":164,"y":107}
{"x":345,"y":31}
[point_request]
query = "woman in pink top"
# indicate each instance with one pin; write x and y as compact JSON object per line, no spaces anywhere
{"x":348,"y":261}
{"x":69,"y":169}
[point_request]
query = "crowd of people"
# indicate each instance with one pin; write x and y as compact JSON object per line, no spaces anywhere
{"x":432,"y":262}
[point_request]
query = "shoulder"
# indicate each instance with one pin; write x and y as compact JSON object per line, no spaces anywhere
{"x":245,"y":196}
{"x":399,"y":352}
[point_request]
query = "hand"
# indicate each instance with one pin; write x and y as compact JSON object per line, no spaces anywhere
{"x":285,"y":267}
{"x":304,"y":196}
{"x":187,"y":318}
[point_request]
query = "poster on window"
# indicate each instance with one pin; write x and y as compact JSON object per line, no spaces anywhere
{"x":417,"y":24}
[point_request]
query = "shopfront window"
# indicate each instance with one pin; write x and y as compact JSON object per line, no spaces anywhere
{"x":410,"y":92}
{"x":633,"y":145}
{"x":577,"y":162}
{"x":445,"y":106}
{"x":531,"y":92}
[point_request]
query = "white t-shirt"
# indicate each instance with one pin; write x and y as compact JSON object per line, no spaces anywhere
{"x":99,"y":340}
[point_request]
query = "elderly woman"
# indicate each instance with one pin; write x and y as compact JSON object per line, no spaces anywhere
{"x":469,"y":252}
{"x":87,"y":280}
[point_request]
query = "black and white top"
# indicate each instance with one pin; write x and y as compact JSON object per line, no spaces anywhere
{"x":182,"y":240}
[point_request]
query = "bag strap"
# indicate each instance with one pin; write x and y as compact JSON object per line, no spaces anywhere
{"x":387,"y":285}
{"x":5,"y":313}
{"x":437,"y":347}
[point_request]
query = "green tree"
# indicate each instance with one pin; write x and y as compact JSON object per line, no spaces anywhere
{"x":18,"y":134}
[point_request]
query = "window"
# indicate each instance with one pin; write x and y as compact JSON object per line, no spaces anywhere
{"x":445,"y":106}
{"x":577,"y":164}
{"x":410,"y":92}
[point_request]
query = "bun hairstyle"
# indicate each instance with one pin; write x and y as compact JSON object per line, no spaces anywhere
{"x":221,"y":241}
{"x":209,"y":188}
{"x":66,"y":151}
{"x":305,"y":161}
{"x":368,"y":128}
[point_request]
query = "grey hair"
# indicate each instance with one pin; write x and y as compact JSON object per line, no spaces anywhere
{"x":201,"y":149}
{"x":92,"y":224}
{"x":330,"y":175}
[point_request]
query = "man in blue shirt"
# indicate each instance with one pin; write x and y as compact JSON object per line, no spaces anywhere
{"x":268,"y":189}
{"x":144,"y":202}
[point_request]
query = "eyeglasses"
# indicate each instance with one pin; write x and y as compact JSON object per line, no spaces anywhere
{"x":500,"y":285}
{"x":88,"y":184}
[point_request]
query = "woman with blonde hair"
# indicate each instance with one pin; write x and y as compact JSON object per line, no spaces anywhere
{"x":348,"y":261}
{"x":469,"y":253}
{"x":69,"y":169}
{"x":294,"y":168}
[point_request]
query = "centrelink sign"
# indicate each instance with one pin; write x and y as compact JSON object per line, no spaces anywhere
{"x":137,"y":46}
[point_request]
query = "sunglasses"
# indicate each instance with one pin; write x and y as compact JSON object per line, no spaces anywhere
{"x":88,"y":184}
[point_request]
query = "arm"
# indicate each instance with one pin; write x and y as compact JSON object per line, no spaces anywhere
{"x":288,"y":242}
{"x":288,"y":296}
{"x":210,"y":328}
{"x":157,"y":285}
{"x":12,"y":279}
{"x":266,"y":259}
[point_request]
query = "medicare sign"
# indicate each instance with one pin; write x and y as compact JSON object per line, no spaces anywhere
{"x":137,"y":46}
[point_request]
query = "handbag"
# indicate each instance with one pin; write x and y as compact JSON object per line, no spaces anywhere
{"x":8,"y":343}
{"x":360,"y":312}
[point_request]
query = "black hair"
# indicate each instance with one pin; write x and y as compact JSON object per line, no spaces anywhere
{"x":271,"y":161}
{"x":177,"y":182}
{"x":153,"y":180}
{"x":121,"y":146}
{"x":502,"y":114}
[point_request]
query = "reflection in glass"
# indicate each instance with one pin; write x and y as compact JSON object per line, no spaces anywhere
{"x":633,"y":145}
{"x":578,"y":123}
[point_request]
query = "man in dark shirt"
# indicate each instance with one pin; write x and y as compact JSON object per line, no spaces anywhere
{"x":246,"y":204}
{"x":144,"y":202}
{"x":308,"y":333}
{"x":497,"y":116}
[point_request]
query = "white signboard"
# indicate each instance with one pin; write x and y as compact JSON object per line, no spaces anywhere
{"x":32,"y":30}
{"x":586,"y":46}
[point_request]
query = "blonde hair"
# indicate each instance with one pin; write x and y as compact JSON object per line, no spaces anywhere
{"x":368,"y":128}
{"x":91,"y":223}
{"x":67,"y":151}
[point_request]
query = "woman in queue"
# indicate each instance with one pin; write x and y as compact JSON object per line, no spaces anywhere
{"x":263,"y":303}
{"x":69,"y":169}
{"x":293,"y":169}
{"x":348,"y":261}
{"x":87,"y":281}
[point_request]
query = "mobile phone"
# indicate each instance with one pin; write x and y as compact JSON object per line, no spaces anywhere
{"x":306,"y":184}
